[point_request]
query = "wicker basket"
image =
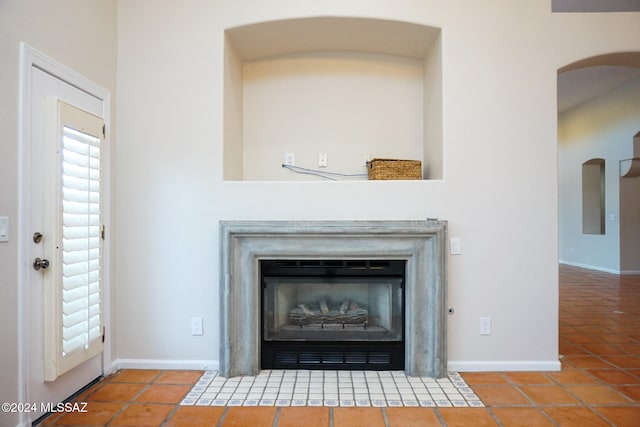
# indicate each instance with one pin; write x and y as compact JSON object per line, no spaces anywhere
{"x":395,"y":169}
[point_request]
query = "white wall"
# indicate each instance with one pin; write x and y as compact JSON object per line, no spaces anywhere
{"x":602,"y":127}
{"x":499,"y":190}
{"x":80,"y":35}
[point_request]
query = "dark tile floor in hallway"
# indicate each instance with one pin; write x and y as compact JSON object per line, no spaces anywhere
{"x":599,"y":384}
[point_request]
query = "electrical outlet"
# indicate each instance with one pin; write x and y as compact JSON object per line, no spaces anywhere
{"x":323,"y":160}
{"x":196,"y":326}
{"x":485,"y":326}
{"x":289,"y":159}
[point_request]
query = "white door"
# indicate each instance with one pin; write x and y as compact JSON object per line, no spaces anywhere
{"x":50,"y":380}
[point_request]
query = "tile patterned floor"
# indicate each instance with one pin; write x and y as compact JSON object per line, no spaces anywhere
{"x":599,"y":384}
{"x":331,"y":388}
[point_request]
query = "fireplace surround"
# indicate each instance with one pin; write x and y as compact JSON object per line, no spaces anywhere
{"x":421,"y":244}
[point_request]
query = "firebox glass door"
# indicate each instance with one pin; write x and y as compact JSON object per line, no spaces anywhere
{"x":332,"y":309}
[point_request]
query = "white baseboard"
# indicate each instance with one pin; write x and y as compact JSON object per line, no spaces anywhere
{"x":503,"y":366}
{"x":591,"y":267}
{"x":453,"y":366}
{"x":165,"y":364}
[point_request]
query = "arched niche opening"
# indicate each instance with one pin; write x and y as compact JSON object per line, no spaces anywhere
{"x":352,"y":88}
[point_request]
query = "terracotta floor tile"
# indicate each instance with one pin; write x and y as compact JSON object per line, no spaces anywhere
{"x":412,"y":417}
{"x":467,"y":417}
{"x":575,"y":416}
{"x":621,"y":416}
{"x":615,"y":376}
{"x":572,"y":376}
{"x":549,"y":395}
{"x":142,"y":415}
{"x":98,"y":414}
{"x":521,"y":417}
{"x":615,"y":339}
{"x":179,"y":377}
{"x":587,"y":362}
{"x":473,"y":378}
{"x":528,"y":378}
{"x":632,"y":392}
{"x":598,"y":395}
{"x":116,"y":392}
{"x":628,"y":362}
{"x":358,"y":417}
{"x":568,"y":349}
{"x":163,"y":393}
{"x":301,"y":416}
{"x":242,"y":416}
{"x":500,"y":395}
{"x":602,"y":349}
{"x":632,"y":349}
{"x":196,"y":416}
{"x":134,"y":376}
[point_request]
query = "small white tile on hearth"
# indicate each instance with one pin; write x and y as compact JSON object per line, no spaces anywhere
{"x":299,"y":402}
{"x":315,"y":402}
{"x":188,"y":402}
{"x":428,"y":403}
{"x":235,"y":402}
{"x":470,"y":396}
{"x":347,"y":402}
{"x":395,"y":403}
{"x":223,"y":395}
{"x":270,"y":396}
{"x":251,"y":402}
{"x":204,"y":402}
{"x":363,"y":402}
{"x":331,"y":396}
{"x":198,"y":389}
{"x":378,"y":403}
{"x":267,"y":402}
{"x":331,"y":402}
{"x":459,"y":403}
{"x":377,"y":396}
{"x":283,"y":402}
{"x":410,"y":402}
{"x":192,"y":395}
{"x":476,"y":403}
{"x":315,"y":396}
{"x":444,"y":404}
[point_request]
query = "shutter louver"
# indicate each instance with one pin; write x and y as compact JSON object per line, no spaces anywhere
{"x":80,"y":245}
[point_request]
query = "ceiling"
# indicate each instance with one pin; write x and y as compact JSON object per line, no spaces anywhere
{"x":582,"y":84}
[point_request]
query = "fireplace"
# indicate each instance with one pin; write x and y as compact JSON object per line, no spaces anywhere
{"x":310,"y":264}
{"x":332,"y":314}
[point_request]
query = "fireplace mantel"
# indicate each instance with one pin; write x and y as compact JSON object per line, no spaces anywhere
{"x":420,"y":243}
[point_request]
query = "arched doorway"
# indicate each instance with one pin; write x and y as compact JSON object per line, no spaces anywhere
{"x":598,"y":117}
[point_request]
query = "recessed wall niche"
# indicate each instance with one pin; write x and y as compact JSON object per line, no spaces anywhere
{"x":353,"y":88}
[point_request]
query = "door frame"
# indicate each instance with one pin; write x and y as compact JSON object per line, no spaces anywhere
{"x":29,"y":59}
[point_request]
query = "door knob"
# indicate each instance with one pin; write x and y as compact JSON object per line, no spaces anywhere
{"x":40,"y":263}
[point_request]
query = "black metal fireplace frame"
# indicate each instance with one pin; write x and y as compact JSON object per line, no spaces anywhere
{"x":332,"y":355}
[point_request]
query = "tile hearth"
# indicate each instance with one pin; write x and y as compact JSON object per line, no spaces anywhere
{"x":331,"y":388}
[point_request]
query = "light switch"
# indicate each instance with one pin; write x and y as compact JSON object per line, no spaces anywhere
{"x":454,"y":246}
{"x":4,"y":228}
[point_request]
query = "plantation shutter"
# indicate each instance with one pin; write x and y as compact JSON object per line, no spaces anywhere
{"x":79,"y":272}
